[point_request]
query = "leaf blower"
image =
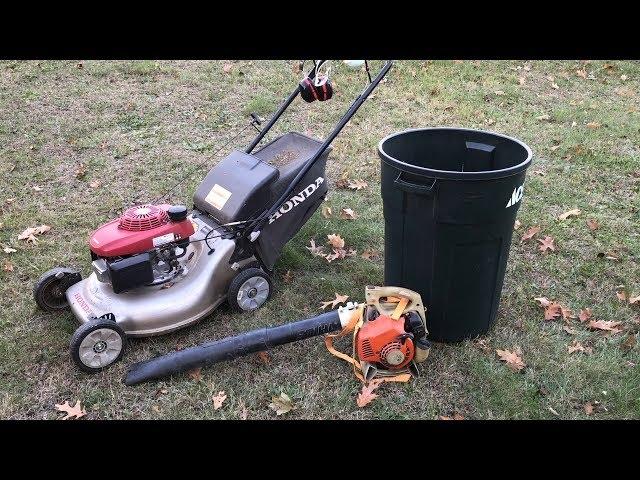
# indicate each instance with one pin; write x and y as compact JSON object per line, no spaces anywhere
{"x":390,"y":338}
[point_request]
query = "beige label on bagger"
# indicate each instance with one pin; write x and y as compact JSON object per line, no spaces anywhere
{"x":218,"y":196}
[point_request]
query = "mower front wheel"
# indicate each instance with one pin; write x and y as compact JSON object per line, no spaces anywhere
{"x":249,"y":290}
{"x":97,"y":344}
{"x":49,"y":291}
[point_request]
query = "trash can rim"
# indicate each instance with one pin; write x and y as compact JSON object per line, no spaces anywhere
{"x":453,"y":174}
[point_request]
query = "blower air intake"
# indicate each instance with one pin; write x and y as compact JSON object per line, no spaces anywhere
{"x":143,"y":217}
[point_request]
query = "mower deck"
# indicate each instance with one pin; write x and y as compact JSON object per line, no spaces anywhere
{"x":155,"y":310}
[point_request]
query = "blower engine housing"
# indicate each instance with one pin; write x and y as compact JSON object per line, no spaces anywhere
{"x":384,"y":340}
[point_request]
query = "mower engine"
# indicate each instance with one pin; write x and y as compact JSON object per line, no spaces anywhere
{"x":142,"y":247}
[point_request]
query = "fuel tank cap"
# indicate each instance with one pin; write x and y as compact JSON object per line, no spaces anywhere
{"x":177,"y":213}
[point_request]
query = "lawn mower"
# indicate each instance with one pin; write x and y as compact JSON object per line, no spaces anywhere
{"x":160,"y":267}
{"x":389,"y":339}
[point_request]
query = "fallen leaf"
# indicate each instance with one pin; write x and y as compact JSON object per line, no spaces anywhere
{"x":195,"y":374}
{"x":555,"y":86}
{"x":530,"y":233}
{"x":347,"y":214}
{"x":30,"y":233}
{"x":79,"y":66}
{"x":512,"y":359}
{"x":264,"y":357}
{"x":576,"y":346}
{"x":7,"y":266}
{"x":546,"y":244}
{"x":585,"y":315}
{"x":315,"y":250}
{"x":593,"y":125}
{"x":567,"y":314}
{"x":37,"y":188}
{"x":592,"y":224}
{"x":287,"y":277}
{"x":499,"y":92}
{"x":94,"y":184}
{"x":455,"y":416}
{"x":569,"y":330}
{"x":571,"y":213}
{"x":281,"y":404}
{"x":555,"y":147}
{"x":521,"y":80}
{"x":543,"y":301}
{"x":370,"y":253}
{"x":543,"y":117}
{"x":588,"y":408}
{"x":357,"y":184}
{"x":610,"y":255}
{"x":552,"y":311}
{"x":629,"y":343}
{"x":219,"y":399}
{"x":9,"y":250}
{"x":582,"y":73}
{"x":227,"y":67}
{"x":81,"y":170}
{"x":326,"y":212}
{"x":634,"y":300}
{"x":623,"y":77}
{"x":517,"y":225}
{"x":335,"y":302}
{"x":607,"y":326}
{"x":336,"y":240}
{"x":366,"y":395}
{"x":76,"y":411}
{"x":622,"y":295}
{"x":155,"y":408}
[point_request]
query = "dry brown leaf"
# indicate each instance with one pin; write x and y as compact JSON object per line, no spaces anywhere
{"x":6,"y":249}
{"x":366,"y":395}
{"x":70,"y":412}
{"x":552,"y":311}
{"x":335,"y":240}
{"x":94,"y":184}
{"x":370,"y":253}
{"x":287,"y":277}
{"x":281,"y":404}
{"x":195,"y":374}
{"x":629,"y":342}
{"x":588,"y":408}
{"x":567,"y":314}
{"x":530,"y":233}
{"x":634,"y":300}
{"x":593,"y":125}
{"x":569,"y":330}
{"x":606,"y":326}
{"x":571,"y":213}
{"x":585,"y":314}
{"x":592,"y":224}
{"x":7,"y":266}
{"x":622,"y":295}
{"x":339,"y":299}
{"x":347,"y":214}
{"x":226,"y":68}
{"x":326,"y":212}
{"x":264,"y":357}
{"x":81,"y":170}
{"x":576,"y":346}
{"x":582,"y":73}
{"x":512,"y":359}
{"x":315,"y":250}
{"x":543,"y":301}
{"x":357,"y":184}
{"x":546,"y":244}
{"x":218,"y":399}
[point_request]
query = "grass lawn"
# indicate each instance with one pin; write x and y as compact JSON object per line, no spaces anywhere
{"x":135,"y":127}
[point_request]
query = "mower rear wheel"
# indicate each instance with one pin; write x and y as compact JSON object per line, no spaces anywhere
{"x":49,"y":290}
{"x":249,"y":290}
{"x":97,"y":344}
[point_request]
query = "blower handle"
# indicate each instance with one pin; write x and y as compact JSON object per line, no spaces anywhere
{"x":256,"y":225}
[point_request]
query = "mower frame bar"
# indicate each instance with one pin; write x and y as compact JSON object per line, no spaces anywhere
{"x":257,"y":224}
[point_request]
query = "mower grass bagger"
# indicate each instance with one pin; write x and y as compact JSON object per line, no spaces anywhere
{"x":161,"y":267}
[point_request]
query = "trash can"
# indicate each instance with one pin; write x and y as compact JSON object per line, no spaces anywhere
{"x":450,"y":199}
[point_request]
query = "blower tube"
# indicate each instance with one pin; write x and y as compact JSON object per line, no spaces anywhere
{"x":232,"y":347}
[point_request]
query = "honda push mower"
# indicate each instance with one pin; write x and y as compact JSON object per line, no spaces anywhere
{"x":160,"y":267}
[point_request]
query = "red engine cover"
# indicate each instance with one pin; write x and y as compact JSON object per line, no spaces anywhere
{"x":379,"y":340}
{"x":138,"y":230}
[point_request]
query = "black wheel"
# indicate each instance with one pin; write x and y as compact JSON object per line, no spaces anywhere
{"x":97,"y":344}
{"x":49,"y":290}
{"x":249,"y":290}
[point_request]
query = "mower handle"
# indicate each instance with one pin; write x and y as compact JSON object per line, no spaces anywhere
{"x":254,"y":228}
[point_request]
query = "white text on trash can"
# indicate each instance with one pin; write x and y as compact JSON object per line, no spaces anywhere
{"x":516,"y":196}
